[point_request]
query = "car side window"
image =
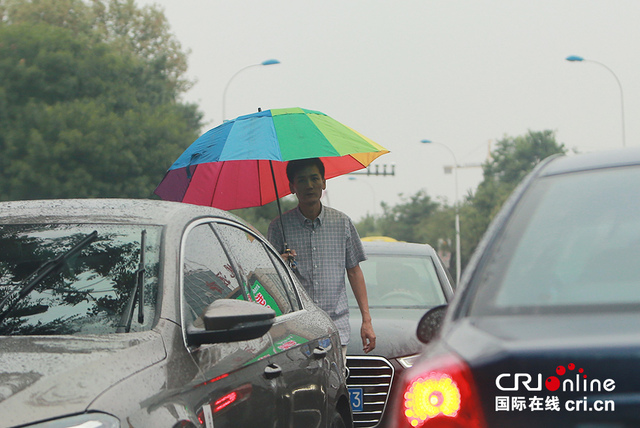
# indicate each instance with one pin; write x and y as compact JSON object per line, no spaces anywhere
{"x":286,"y":279}
{"x":264,"y":283}
{"x":208,"y":274}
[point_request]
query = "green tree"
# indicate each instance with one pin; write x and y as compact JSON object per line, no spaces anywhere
{"x":143,"y":32}
{"x":80,"y":117}
{"x":515,"y":157}
{"x":403,"y":221}
{"x":368,"y":226}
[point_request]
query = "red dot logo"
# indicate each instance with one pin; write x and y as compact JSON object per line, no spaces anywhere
{"x":560,"y":370}
{"x":552,"y":383}
{"x":571,"y":366}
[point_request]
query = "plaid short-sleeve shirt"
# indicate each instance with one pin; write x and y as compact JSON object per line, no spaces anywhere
{"x":325,"y":248}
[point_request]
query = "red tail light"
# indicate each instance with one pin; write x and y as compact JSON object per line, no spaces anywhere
{"x":439,"y":392}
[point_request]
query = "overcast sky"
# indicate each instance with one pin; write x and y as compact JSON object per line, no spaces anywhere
{"x":462,"y":73}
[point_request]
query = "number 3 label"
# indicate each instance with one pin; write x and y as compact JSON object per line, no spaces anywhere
{"x":355,"y":396}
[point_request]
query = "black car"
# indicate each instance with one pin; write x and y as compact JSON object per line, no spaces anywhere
{"x":403,"y":281}
{"x":133,"y":313}
{"x":544,"y":329}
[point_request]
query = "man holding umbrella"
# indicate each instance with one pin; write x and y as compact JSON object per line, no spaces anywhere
{"x":241,"y":163}
{"x":324,"y":243}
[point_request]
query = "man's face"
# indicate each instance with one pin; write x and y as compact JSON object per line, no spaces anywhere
{"x":308,"y":185}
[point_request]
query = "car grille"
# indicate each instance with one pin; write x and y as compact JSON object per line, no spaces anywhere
{"x":374,"y":375}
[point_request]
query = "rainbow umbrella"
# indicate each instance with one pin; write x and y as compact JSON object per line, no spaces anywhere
{"x":242,"y":162}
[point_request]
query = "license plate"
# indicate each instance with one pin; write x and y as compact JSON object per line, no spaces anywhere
{"x":356,"y":398}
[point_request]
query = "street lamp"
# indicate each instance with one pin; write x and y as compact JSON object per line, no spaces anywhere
{"x":455,"y":172}
{"x":575,"y":58}
{"x":224,"y":95}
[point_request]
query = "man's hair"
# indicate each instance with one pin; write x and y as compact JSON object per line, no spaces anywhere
{"x":294,"y":166}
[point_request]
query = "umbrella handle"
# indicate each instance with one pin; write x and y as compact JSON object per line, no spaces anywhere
{"x":293,"y":264}
{"x":290,"y":258}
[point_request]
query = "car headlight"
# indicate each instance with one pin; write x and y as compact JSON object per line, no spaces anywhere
{"x":87,"y":420}
{"x":408,"y":361}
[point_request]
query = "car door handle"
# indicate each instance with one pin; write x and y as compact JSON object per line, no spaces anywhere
{"x":319,"y":352}
{"x":272,"y":371}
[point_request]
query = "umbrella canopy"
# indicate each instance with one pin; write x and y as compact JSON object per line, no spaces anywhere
{"x":242,"y":163}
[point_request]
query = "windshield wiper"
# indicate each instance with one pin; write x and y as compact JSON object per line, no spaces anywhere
{"x":138,"y":293}
{"x":47,"y":268}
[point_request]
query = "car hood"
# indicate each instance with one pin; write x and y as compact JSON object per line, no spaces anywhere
{"x":395,"y":330}
{"x":47,"y":377}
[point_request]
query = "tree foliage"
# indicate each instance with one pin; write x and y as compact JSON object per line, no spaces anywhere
{"x":402,"y":221}
{"x":515,"y":157}
{"x":143,"y":32}
{"x":89,"y":99}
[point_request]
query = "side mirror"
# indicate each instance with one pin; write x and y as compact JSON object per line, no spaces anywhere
{"x":230,"y":320}
{"x":430,"y":323}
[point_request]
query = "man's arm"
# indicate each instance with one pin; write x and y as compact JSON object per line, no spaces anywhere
{"x":356,"y":279}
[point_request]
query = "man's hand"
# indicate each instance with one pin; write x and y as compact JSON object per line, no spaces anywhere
{"x":289,"y":257}
{"x":288,"y":254}
{"x":356,"y":279}
{"x":368,"y":337}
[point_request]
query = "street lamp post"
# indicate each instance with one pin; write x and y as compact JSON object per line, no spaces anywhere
{"x":373,"y":192}
{"x":224,"y":95}
{"x":575,"y":58}
{"x":457,"y":207}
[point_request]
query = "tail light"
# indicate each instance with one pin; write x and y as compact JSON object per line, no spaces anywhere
{"x":439,"y":392}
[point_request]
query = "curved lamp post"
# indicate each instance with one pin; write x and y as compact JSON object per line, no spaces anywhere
{"x":224,"y":95}
{"x":455,"y":172}
{"x":575,"y":58}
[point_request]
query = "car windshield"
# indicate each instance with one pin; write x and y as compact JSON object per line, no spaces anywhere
{"x":91,"y":292}
{"x":573,"y":244}
{"x":396,"y":280}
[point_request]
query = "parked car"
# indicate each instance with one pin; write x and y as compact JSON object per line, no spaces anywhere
{"x":135,"y":313}
{"x":403,"y":281}
{"x":543,"y":331}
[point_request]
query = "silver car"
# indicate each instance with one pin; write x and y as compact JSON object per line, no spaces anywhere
{"x":133,"y":313}
{"x":403,"y":280}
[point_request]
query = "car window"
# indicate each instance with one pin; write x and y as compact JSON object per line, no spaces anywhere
{"x":207,"y":273}
{"x":400,"y":280}
{"x":287,"y":282}
{"x":574,"y":241}
{"x":92,"y":292}
{"x":256,"y":269}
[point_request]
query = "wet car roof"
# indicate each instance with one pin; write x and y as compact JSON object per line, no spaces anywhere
{"x":130,"y":211}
